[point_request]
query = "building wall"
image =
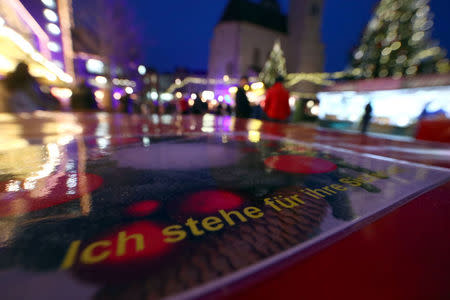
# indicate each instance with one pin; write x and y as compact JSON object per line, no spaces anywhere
{"x":256,"y":39}
{"x":306,"y":51}
{"x":36,"y":9}
{"x":234,"y":45}
{"x":224,"y":50}
{"x":238,"y":47}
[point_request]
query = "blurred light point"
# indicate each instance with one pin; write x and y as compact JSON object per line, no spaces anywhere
{"x":257,"y":85}
{"x":396,"y":45}
{"x":117,"y":95}
{"x":99,"y":95}
{"x":54,"y":47}
{"x":233,"y":90}
{"x":96,"y":66}
{"x":418,"y":36}
{"x":359,"y":54}
{"x":386,"y":51}
{"x":166,"y":97}
{"x":50,"y":76}
{"x":101,"y":80}
{"x":315,"y":110}
{"x":154,"y":95}
{"x":129,"y":90}
{"x":356,"y":71}
{"x":50,"y":15}
{"x":226,"y":78}
{"x":142,"y":70}
{"x":49,"y":3}
{"x":53,"y":29}
{"x":62,"y":93}
{"x":208,"y":95}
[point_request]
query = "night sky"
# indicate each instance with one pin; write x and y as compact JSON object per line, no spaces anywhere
{"x":178,"y":32}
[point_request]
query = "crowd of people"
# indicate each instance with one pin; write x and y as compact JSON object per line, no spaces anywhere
{"x":20,"y":92}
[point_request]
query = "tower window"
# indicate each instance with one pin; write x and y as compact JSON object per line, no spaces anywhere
{"x":229,"y":69}
{"x":314,"y":9}
{"x":256,"y":57}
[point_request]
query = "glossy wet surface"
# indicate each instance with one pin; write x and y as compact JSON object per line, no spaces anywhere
{"x":111,"y":206}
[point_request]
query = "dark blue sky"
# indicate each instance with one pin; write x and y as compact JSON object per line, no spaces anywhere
{"x":178,"y":32}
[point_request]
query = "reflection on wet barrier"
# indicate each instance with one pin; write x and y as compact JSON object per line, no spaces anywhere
{"x":166,"y":213}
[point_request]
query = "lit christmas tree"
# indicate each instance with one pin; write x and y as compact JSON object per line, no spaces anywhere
{"x":397,"y":42}
{"x":275,"y":66}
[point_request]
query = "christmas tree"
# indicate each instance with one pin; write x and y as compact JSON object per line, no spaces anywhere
{"x":275,"y":66}
{"x":397,"y":42}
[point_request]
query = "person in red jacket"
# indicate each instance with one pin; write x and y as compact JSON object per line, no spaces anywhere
{"x":277,"y":102}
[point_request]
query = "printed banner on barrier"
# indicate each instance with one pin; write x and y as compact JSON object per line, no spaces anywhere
{"x":115,"y":218}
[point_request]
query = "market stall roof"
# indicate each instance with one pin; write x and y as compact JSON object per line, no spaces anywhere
{"x":376,"y":84}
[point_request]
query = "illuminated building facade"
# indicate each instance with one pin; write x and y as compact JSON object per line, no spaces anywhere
{"x":38,"y":33}
{"x":42,"y":34}
{"x":110,"y":82}
{"x":55,"y":18}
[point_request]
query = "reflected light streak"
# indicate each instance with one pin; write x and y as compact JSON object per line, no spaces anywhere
{"x":67,"y":128}
{"x":254,"y":125}
{"x":103,"y":143}
{"x":53,"y":160}
{"x":85,"y":200}
{"x":65,"y":140}
{"x":146,"y":141}
{"x":208,"y":123}
{"x":254,"y":136}
{"x":166,"y":119}
{"x":13,"y":144}
{"x":7,"y":117}
{"x":224,"y":139}
{"x":13,"y":186}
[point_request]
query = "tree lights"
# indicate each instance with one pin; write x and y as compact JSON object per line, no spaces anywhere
{"x":397,"y":42}
{"x":275,"y":66}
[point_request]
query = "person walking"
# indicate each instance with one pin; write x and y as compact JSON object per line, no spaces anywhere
{"x":83,"y":98}
{"x":366,"y":118}
{"x":183,"y":106}
{"x":277,"y":102}
{"x":197,"y":108}
{"x":243,"y":109}
{"x":20,"y":92}
{"x":126,"y":104}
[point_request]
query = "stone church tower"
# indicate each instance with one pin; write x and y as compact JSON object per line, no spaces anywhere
{"x":305,"y":45}
{"x":245,"y":35}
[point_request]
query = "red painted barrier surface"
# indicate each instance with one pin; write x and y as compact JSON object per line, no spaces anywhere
{"x":434,"y":130}
{"x":401,"y":255}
